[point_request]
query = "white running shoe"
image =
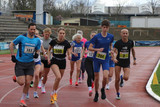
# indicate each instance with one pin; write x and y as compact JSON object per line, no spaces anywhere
{"x":35,"y":94}
{"x":39,"y":84}
{"x":43,"y":91}
{"x":107,"y":87}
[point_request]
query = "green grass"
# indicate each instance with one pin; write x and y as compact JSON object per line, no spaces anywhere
{"x":156,"y":88}
{"x":2,"y":52}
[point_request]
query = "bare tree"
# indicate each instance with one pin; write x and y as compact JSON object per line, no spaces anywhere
{"x":119,"y":7}
{"x":154,"y":5}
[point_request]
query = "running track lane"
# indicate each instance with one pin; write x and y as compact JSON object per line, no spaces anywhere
{"x":133,"y":93}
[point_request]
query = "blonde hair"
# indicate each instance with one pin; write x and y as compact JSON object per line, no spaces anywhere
{"x":75,"y":36}
{"x":47,"y":30}
{"x":94,"y":32}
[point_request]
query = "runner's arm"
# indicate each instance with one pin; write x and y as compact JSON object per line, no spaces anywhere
{"x":11,"y":47}
{"x":49,"y":52}
{"x":134,"y":56}
{"x":114,"y":55}
{"x":94,"y":49}
{"x":69,"y":53}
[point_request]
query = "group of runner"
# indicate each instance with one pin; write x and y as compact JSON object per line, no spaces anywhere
{"x":36,"y":55}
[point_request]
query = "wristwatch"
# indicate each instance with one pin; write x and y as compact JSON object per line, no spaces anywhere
{"x":134,"y":58}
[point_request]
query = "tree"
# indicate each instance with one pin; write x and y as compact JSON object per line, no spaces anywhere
{"x":154,"y":5}
{"x":119,"y":7}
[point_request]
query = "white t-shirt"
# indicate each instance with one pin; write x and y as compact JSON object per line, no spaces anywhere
{"x":39,"y":57}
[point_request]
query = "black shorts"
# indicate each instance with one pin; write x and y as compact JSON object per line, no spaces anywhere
{"x":122,"y":64}
{"x":24,"y":68}
{"x":45,"y":62}
{"x":60,"y":63}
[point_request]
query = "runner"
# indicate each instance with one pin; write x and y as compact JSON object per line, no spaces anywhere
{"x":101,"y":42}
{"x":89,"y":64}
{"x":24,"y":68}
{"x":60,"y":47}
{"x":46,"y":40}
{"x":76,"y":47}
{"x":38,"y":67}
{"x":84,"y":40}
{"x":122,"y":59}
{"x":111,"y":69}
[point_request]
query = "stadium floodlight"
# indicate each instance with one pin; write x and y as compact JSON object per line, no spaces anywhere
{"x":39,"y":11}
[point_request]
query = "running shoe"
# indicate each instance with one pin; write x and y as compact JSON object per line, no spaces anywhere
{"x":107,"y":87}
{"x":52,"y":99}
{"x":121,"y":81}
{"x":103,"y":95}
{"x":90,"y":93}
{"x":39,"y":84}
{"x":31,"y":84}
{"x":70,"y":81}
{"x":23,"y":104}
{"x":76,"y":83}
{"x":27,"y":96}
{"x":80,"y":80}
{"x":118,"y":96}
{"x":92,"y":84}
{"x":96,"y":97}
{"x":35,"y":94}
{"x":43,"y":91}
{"x":14,"y":78}
{"x":55,"y":97}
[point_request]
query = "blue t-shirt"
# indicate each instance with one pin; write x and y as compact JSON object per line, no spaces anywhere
{"x":102,"y":42}
{"x":77,"y":48}
{"x":89,"y":53}
{"x":27,"y":47}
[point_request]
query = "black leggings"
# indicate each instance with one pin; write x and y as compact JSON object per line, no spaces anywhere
{"x":83,"y":65}
{"x":89,"y":70}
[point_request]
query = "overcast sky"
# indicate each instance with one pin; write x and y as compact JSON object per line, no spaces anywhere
{"x":126,"y":2}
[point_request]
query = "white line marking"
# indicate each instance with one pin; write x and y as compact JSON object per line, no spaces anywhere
{"x":6,"y":69}
{"x":5,"y":77}
{"x":8,"y":93}
{"x":110,"y":102}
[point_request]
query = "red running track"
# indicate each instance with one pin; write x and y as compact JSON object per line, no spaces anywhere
{"x":133,"y":94}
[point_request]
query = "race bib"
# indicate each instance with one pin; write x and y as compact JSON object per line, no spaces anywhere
{"x":123,"y":55}
{"x":58,"y":49}
{"x":101,"y":55}
{"x":90,"y":54}
{"x":28,"y":49}
{"x":77,"y":49}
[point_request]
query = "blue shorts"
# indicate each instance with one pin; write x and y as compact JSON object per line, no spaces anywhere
{"x":111,"y":63}
{"x":97,"y":64}
{"x":39,"y":62}
{"x":75,"y":58}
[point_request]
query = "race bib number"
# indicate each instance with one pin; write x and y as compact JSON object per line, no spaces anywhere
{"x":77,"y":49}
{"x":58,"y":49}
{"x":101,"y":55}
{"x":90,"y":54}
{"x":28,"y":49}
{"x":123,"y":55}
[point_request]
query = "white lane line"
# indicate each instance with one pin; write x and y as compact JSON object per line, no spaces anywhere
{"x":110,"y":102}
{"x":6,"y":69}
{"x":114,"y":80}
{"x":5,"y":77}
{"x":8,"y":93}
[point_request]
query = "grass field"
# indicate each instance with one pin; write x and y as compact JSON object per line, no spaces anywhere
{"x":6,"y":51}
{"x":156,"y":88}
